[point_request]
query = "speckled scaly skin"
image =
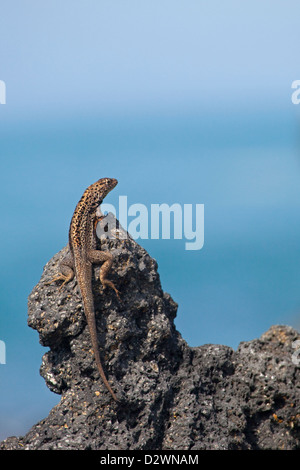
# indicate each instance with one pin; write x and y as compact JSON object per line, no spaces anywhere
{"x":83,"y":254}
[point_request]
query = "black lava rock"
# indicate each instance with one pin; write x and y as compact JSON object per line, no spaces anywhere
{"x":172,"y":396}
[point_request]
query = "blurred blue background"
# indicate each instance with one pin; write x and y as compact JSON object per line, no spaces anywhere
{"x":181,"y":102}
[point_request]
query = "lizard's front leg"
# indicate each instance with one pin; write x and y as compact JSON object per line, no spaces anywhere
{"x":97,"y":257}
{"x":66,"y":271}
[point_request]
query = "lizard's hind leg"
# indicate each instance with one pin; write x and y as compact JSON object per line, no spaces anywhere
{"x":97,"y":257}
{"x":66,"y":271}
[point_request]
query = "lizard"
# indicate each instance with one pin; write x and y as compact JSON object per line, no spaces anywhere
{"x":83,"y":254}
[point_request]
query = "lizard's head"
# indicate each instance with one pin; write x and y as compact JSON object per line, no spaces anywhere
{"x":101,"y":188}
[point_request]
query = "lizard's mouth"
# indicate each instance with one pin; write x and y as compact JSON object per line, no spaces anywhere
{"x":113,"y":182}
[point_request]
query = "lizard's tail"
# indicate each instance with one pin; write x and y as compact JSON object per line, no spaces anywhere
{"x":88,"y":305}
{"x":92,"y":327}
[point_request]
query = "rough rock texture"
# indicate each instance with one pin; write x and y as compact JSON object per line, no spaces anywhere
{"x":174,"y":396}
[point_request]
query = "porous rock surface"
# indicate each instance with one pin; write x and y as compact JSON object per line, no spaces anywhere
{"x":172,"y":396}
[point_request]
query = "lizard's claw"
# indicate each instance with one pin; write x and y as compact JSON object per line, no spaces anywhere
{"x":107,"y":283}
{"x":118,"y":295}
{"x":55,"y":278}
{"x":59,"y":277}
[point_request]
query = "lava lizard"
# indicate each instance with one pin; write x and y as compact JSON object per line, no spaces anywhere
{"x":82,"y":254}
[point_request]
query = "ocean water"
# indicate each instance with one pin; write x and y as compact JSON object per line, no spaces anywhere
{"x":244,"y":168}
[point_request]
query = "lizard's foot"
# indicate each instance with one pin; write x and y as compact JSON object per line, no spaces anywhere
{"x":65,"y":271}
{"x":97,"y":256}
{"x":107,"y":283}
{"x":58,"y":277}
{"x":61,"y":277}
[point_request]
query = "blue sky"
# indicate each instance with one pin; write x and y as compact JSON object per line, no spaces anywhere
{"x":62,"y":57}
{"x":181,"y":102}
